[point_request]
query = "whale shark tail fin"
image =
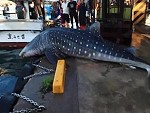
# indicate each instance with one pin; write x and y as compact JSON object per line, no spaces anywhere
{"x":148,"y":70}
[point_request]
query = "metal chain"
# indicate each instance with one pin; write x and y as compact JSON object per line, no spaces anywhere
{"x":44,"y":68}
{"x":38,"y":108}
{"x":36,"y":74}
{"x":47,"y":71}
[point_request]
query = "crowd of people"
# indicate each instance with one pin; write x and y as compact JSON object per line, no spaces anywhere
{"x":65,"y":10}
{"x":20,"y":9}
{"x":83,"y":12}
{"x":71,"y":10}
{"x":37,"y":10}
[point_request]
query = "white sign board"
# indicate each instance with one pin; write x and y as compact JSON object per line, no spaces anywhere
{"x":17,"y":36}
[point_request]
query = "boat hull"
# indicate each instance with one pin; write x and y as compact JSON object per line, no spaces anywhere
{"x":17,"y":33}
{"x":12,"y":44}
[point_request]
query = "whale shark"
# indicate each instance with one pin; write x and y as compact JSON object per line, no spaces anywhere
{"x":57,"y":43}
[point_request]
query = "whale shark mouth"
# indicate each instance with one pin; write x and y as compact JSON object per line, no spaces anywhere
{"x":28,"y":53}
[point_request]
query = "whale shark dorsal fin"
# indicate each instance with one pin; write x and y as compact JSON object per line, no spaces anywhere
{"x":95,"y":29}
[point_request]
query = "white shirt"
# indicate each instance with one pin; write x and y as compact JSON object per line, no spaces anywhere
{"x":65,"y":8}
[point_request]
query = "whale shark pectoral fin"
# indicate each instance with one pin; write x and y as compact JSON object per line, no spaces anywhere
{"x":60,"y":55}
{"x":52,"y":58}
{"x":53,"y":55}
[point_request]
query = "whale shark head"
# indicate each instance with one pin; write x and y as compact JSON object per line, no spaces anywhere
{"x":33,"y":48}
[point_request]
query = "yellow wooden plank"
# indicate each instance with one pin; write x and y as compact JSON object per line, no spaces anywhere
{"x":59,"y":78}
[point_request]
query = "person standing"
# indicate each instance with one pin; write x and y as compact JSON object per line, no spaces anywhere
{"x":65,"y":14}
{"x":20,"y":10}
{"x":38,"y":9}
{"x":6,"y":9}
{"x":72,"y":5}
{"x":82,"y":14}
{"x":56,"y":11}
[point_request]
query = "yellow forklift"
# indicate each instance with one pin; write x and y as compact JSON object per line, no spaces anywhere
{"x":115,"y":17}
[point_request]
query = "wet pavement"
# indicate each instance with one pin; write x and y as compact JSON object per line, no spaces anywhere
{"x":96,"y":87}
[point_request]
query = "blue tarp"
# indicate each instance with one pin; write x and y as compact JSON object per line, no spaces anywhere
{"x":12,"y":84}
{"x":7,"y":84}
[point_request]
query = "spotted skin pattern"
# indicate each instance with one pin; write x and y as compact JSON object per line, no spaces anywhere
{"x":84,"y":44}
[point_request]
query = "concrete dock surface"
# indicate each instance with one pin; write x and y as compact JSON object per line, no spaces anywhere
{"x":96,"y":87}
